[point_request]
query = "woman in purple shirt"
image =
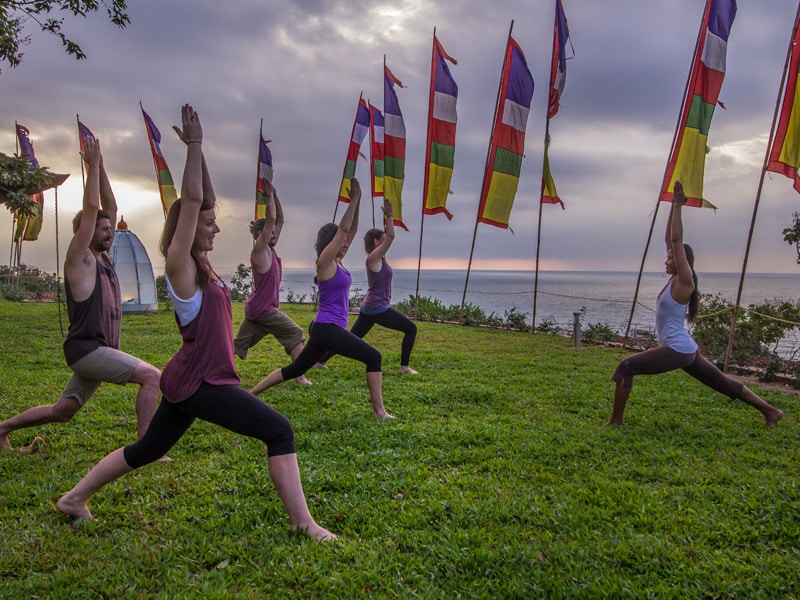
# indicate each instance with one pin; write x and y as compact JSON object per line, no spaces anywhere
{"x":328,"y":331}
{"x":200,"y":381}
{"x":376,"y":307}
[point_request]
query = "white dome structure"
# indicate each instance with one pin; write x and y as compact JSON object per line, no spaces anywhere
{"x":134,"y":271}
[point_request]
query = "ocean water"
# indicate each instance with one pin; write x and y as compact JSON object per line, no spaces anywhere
{"x":602,"y":296}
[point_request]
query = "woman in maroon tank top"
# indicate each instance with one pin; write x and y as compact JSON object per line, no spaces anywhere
{"x":200,"y":381}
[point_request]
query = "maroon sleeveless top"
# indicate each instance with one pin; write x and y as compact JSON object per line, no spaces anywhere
{"x":96,"y":321}
{"x":206,"y":355}
{"x":266,"y":292}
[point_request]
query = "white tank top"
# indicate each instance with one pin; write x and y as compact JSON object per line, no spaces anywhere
{"x":670,"y":323}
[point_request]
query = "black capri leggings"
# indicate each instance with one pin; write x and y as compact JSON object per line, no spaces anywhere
{"x":664,"y":359}
{"x":327,"y":337}
{"x":391,"y":319}
{"x":226,"y":405}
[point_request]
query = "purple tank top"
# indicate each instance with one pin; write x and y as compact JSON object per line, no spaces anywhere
{"x":96,"y":321}
{"x":379,"y":292}
{"x":207,"y":351}
{"x":266,"y":291}
{"x":334,"y":298}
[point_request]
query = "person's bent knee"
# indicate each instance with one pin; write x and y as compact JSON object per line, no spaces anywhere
{"x":65,"y":409}
{"x":623,"y":374}
{"x":146,"y":375}
{"x":374,"y":362}
{"x":281,"y":439}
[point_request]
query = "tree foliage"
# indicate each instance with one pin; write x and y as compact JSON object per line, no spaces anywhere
{"x":15,"y":14}
{"x":18,"y":180}
{"x":791,"y":235}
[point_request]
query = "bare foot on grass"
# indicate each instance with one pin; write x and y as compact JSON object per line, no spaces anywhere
{"x":382,"y":415}
{"x":317,"y":533}
{"x":302,"y":380}
{"x":77,"y":510}
{"x":4,"y":443}
{"x":772,"y":417}
{"x":613,"y":423}
{"x":408,"y":370}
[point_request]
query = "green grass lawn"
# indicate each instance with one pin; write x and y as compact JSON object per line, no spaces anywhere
{"x":496,"y":480}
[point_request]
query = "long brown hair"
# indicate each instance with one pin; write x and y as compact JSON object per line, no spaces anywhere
{"x":694,"y":299}
{"x":204,"y":270}
{"x":370,"y":237}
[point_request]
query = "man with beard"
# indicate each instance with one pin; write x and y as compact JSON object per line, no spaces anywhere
{"x":94,"y":307}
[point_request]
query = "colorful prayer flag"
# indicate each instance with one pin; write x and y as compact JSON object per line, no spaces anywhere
{"x":558,"y":74}
{"x":441,"y":146}
{"x":265,"y":173}
{"x":83,"y":131}
{"x":507,"y":144}
{"x":28,"y":227}
{"x":549,"y":193}
{"x":376,"y":129}
{"x":394,"y":159}
{"x":558,"y":68}
{"x":360,"y":128}
{"x":784,"y":157}
{"x":687,"y":161}
{"x":166,"y":185}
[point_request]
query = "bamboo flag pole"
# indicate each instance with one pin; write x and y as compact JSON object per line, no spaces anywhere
{"x":735,"y":317}
{"x":485,"y":174}
{"x":426,"y":175}
{"x":83,"y":175}
{"x":666,"y":169}
{"x":539,"y":227}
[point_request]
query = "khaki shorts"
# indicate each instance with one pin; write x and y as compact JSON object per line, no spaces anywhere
{"x":287,"y":332}
{"x":101,"y":365}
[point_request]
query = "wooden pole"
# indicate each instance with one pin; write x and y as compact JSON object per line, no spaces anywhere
{"x":485,"y":174}
{"x":729,"y":348}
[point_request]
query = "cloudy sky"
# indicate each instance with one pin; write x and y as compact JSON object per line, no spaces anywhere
{"x":301,"y":65}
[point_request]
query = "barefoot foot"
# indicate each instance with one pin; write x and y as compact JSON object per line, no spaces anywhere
{"x":78,"y":510}
{"x":382,"y":415}
{"x":315,"y":532}
{"x":409,"y":370}
{"x":302,"y":380}
{"x":613,"y":423}
{"x":772,"y":417}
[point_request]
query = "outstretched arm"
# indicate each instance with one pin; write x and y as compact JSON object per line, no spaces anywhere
{"x":179,"y":266}
{"x":683,"y":282}
{"x":345,"y":233}
{"x":261,"y":255}
{"x":376,"y":256}
{"x":107,"y":200}
{"x":278,"y":214}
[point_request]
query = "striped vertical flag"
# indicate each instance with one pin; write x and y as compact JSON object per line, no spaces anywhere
{"x":28,"y":227}
{"x":360,"y":129}
{"x":166,"y":185}
{"x":441,"y":147}
{"x":558,"y":69}
{"x":784,"y":157}
{"x":394,"y":158}
{"x":376,"y":150}
{"x":688,"y":158}
{"x":265,"y":173}
{"x":558,"y":77}
{"x":507,"y":144}
{"x":83,"y":131}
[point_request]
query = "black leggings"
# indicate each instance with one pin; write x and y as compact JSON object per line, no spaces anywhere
{"x":326,"y":338}
{"x":391,"y":319}
{"x":226,"y":405}
{"x":664,"y":358}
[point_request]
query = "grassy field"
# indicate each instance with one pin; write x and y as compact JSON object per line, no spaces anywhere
{"x":496,"y":480}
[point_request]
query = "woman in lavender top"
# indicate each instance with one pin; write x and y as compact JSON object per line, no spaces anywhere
{"x":328,"y":331}
{"x":376,"y":307}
